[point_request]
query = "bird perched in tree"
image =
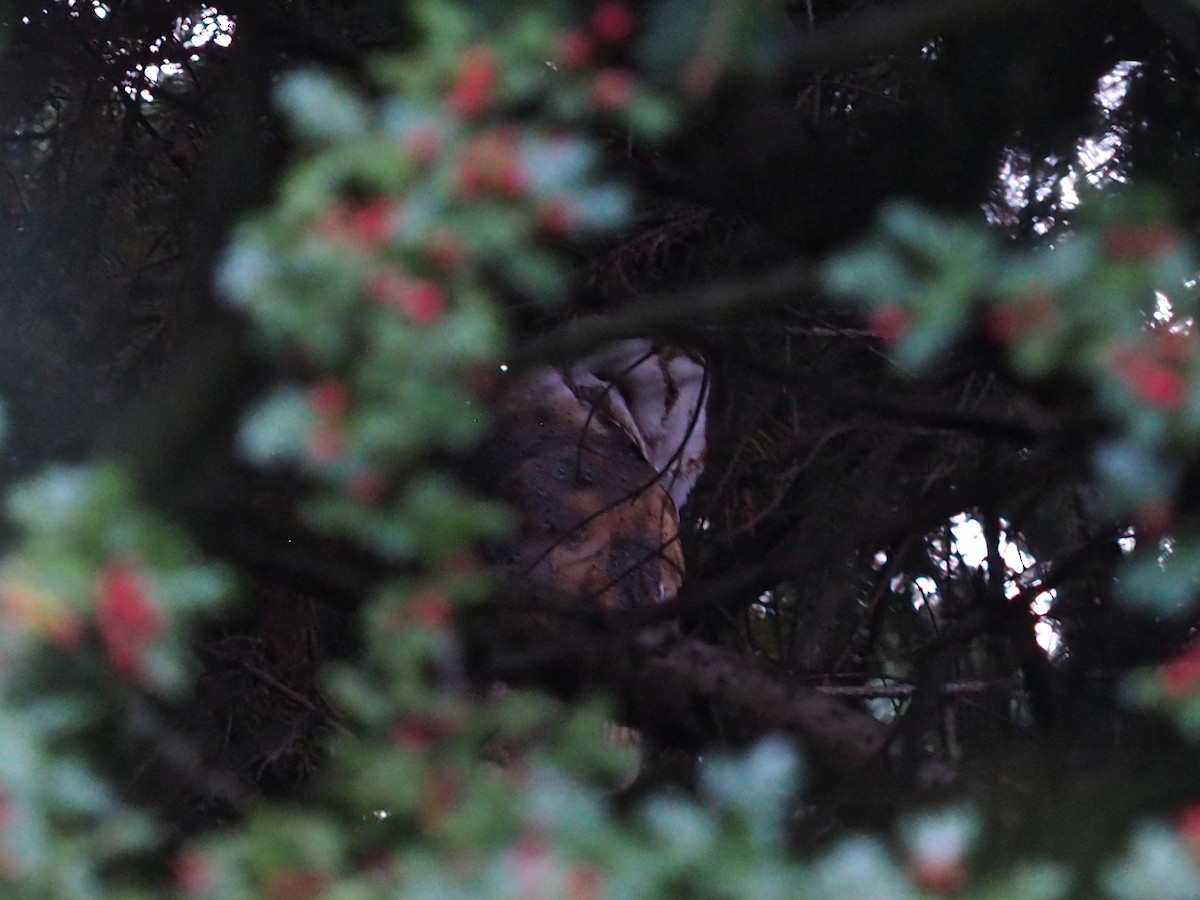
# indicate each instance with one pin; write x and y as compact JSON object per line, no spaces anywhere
{"x":597,"y":458}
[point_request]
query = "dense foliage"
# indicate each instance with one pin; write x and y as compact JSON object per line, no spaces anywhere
{"x":266,"y":264}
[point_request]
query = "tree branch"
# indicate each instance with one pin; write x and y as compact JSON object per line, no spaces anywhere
{"x":880,"y":30}
{"x":647,"y":314}
{"x":675,"y":689}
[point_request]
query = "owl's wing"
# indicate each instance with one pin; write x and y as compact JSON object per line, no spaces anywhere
{"x":596,"y":519}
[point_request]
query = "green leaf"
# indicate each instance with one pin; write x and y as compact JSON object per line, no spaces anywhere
{"x":248,"y":268}
{"x":755,"y":786}
{"x":1157,"y":865}
{"x":1163,"y":583}
{"x":650,"y":116}
{"x":320,"y":107}
{"x":1028,"y":881}
{"x":74,"y":789}
{"x":871,"y":273}
{"x":682,"y":830}
{"x":739,"y":35}
{"x":1131,"y":474}
{"x":275,"y":429}
{"x":555,"y":165}
{"x":56,"y":500}
{"x":857,"y":867}
{"x":537,"y":275}
{"x":600,"y":208}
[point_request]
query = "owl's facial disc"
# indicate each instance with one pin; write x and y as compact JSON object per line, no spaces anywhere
{"x":657,"y":395}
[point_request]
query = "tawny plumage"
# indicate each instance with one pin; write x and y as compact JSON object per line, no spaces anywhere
{"x":597,"y":459}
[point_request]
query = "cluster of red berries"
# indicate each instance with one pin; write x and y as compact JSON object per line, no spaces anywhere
{"x":491,"y":163}
{"x":474,"y":87}
{"x":420,"y":300}
{"x":612,"y":24}
{"x":368,"y":226}
{"x":539,"y":872}
{"x":330,"y":400}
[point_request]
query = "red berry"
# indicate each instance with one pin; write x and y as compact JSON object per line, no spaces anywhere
{"x":431,"y":608}
{"x":1188,"y":827}
{"x":492,"y":162}
{"x":573,"y":49}
{"x":469,"y":179}
{"x":1180,"y":676}
{"x":194,"y":873}
{"x":296,"y":884}
{"x":421,"y":300}
{"x":367,"y":487}
{"x":611,"y":88}
{"x":531,"y":860}
{"x":1005,"y":324}
{"x":411,"y":735}
{"x":326,"y":444}
{"x":511,"y":181}
{"x":1136,"y":243}
{"x":585,"y":882}
{"x":329,"y":398}
{"x":370,"y":225}
{"x":1157,"y":383}
{"x":386,"y":286}
{"x":948,"y":877}
{"x":446,"y":251}
{"x":424,"y":143}
{"x":554,"y":218}
{"x":890,"y":323}
{"x":1002,"y":324}
{"x":126,"y":615}
{"x":1153,"y":520}
{"x":417,"y":734}
{"x":1163,"y":387}
{"x":475,"y":83}
{"x":424,"y":302}
{"x":612,"y":21}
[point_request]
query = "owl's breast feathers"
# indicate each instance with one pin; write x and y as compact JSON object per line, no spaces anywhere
{"x":596,"y":460}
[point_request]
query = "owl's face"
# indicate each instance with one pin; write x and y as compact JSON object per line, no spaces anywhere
{"x":597,"y":459}
{"x":657,"y":395}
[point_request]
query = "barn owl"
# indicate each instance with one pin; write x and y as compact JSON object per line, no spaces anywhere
{"x":598,"y":457}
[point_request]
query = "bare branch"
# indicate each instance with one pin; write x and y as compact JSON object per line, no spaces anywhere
{"x":683,"y":311}
{"x":677,"y":690}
